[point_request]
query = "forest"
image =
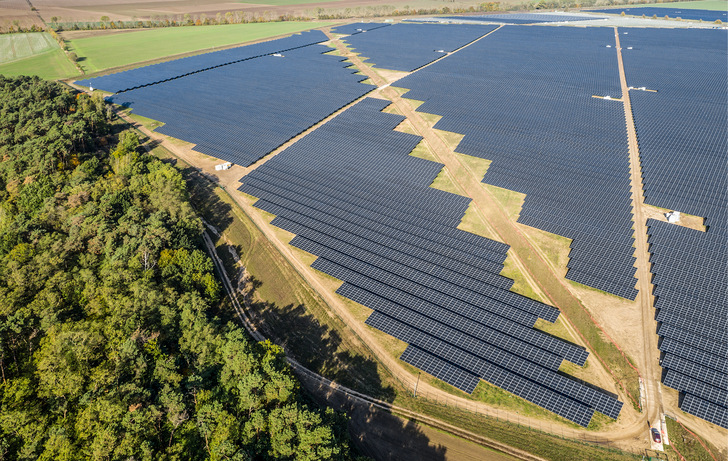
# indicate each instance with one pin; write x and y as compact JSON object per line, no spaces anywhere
{"x":113,"y":342}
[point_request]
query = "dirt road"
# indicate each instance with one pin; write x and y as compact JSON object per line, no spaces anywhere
{"x":650,"y":367}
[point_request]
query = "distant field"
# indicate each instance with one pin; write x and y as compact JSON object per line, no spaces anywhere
{"x":281,"y":2}
{"x":33,"y":54}
{"x":112,"y":50}
{"x":19,"y":46}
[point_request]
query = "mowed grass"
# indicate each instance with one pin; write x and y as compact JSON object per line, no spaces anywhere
{"x":33,"y":54}
{"x":19,"y":46}
{"x":50,"y":65}
{"x":114,"y":50}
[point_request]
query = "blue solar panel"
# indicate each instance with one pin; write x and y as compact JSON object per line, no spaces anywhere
{"x":407,"y":47}
{"x":242,"y":111}
{"x":681,"y":128}
{"x":521,"y":18}
{"x":162,"y":72}
{"x":523,"y":99}
{"x":354,"y":197}
{"x":357,"y":27}
{"x":661,"y":12}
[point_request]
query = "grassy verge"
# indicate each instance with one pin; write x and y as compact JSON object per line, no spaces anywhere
{"x":114,"y":50}
{"x":686,"y":444}
{"x":532,"y":440}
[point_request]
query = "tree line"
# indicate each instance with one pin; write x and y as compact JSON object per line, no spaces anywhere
{"x":113,"y":340}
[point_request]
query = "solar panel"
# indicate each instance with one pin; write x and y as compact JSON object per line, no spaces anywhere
{"x":354,"y":197}
{"x":523,"y":99}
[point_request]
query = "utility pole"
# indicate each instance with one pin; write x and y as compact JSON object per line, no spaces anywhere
{"x":416,"y":383}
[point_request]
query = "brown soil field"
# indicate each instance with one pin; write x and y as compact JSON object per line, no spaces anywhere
{"x":126,"y":10}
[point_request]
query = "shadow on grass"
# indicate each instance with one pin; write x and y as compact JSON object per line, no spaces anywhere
{"x":375,"y":432}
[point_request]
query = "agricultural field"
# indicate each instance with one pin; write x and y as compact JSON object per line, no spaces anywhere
{"x":119,"y":49}
{"x":34,"y":54}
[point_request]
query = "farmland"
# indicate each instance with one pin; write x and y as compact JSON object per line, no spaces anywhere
{"x":34,"y":54}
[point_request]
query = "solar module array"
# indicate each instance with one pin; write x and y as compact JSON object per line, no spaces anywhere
{"x":522,"y":18}
{"x":684,"y":153}
{"x":406,"y":47}
{"x":354,"y":197}
{"x":682,"y":127}
{"x":165,"y":71}
{"x":242,"y":111}
{"x":357,"y":27}
{"x":523,"y":99}
{"x":705,"y":15}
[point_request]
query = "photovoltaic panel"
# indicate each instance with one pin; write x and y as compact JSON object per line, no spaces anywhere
{"x":412,"y":266}
{"x":357,"y":27}
{"x":683,"y":145}
{"x":406,"y":47}
{"x":673,"y":13}
{"x":521,"y":18}
{"x":240,"y":112}
{"x":177,"y":68}
{"x":523,"y":99}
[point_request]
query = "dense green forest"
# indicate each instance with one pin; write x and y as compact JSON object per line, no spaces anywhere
{"x":112,"y":341}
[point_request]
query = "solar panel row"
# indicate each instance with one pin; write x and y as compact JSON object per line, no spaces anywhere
{"x":523,"y":99}
{"x":693,"y":320}
{"x":406,"y":47}
{"x":165,"y":71}
{"x":683,"y":143}
{"x":522,"y":18}
{"x":241,"y":112}
{"x":683,"y":13}
{"x":357,"y":27}
{"x":354,"y":197}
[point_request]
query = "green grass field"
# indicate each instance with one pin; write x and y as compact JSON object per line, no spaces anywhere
{"x":33,"y":54}
{"x":19,"y":46}
{"x":50,"y":65}
{"x":106,"y":51}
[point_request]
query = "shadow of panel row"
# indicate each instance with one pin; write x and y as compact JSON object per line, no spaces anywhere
{"x":523,"y":99}
{"x":170,"y":70}
{"x":354,"y":197}
{"x":406,"y":47}
{"x":681,"y":127}
{"x":242,"y":111}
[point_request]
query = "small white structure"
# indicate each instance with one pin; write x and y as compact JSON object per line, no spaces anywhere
{"x":277,"y":55}
{"x":609,"y":46}
{"x":439,"y":51}
{"x":673,"y":217}
{"x":223,"y":166}
{"x":607,"y":97}
{"x":91,"y":89}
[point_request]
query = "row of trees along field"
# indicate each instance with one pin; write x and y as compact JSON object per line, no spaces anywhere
{"x":112,"y":341}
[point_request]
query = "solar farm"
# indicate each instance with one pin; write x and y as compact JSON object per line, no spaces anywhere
{"x":546,"y":108}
